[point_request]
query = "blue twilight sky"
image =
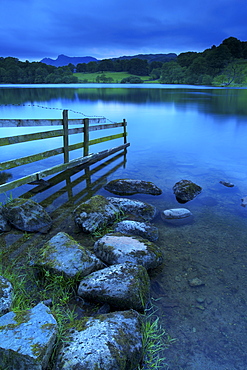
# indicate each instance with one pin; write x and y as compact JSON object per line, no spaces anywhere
{"x":34,"y":29}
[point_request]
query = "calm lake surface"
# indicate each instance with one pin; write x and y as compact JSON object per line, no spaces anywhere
{"x":175,"y":133}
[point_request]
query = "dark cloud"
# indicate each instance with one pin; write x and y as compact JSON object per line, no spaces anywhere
{"x":33,"y":29}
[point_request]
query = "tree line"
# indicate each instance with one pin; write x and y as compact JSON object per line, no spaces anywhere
{"x":14,"y":71}
{"x":219,"y":65}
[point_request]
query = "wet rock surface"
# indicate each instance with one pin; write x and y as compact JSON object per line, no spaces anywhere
{"x":143,"y":229}
{"x":27,"y":338}
{"x":141,"y":210}
{"x":130,"y":187}
{"x":115,"y":248}
{"x":109,"y":341}
{"x":64,"y":255}
{"x":95,"y":213}
{"x":27,"y":215}
{"x":186,"y":190}
{"x":124,"y":286}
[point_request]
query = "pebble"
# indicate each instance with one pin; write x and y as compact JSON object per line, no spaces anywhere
{"x":196,"y":282}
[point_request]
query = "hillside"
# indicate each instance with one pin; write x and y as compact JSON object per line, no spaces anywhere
{"x":64,"y":60}
{"x":151,"y":57}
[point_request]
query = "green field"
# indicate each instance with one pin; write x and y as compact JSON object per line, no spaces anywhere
{"x":115,"y":76}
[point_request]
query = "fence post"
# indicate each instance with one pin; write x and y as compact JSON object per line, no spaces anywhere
{"x":86,"y":137}
{"x":125,"y":131}
{"x":65,"y":137}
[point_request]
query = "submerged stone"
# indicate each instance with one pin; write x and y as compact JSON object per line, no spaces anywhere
{"x":123,"y":286}
{"x":27,"y":338}
{"x":64,"y":255}
{"x":108,"y":342}
{"x":186,"y":190}
{"x":227,"y":184}
{"x":27,"y":215}
{"x":116,"y":248}
{"x":129,"y":187}
{"x":95,"y":213}
{"x":177,"y":216}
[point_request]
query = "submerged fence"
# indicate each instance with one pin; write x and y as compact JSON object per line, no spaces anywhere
{"x":86,"y":126}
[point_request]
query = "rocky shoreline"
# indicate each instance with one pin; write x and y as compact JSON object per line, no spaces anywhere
{"x":115,"y":274}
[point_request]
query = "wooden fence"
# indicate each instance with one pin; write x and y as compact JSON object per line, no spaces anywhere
{"x":86,"y":126}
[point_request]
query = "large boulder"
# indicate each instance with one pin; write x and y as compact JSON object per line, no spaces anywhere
{"x":129,"y":187}
{"x":95,"y":213}
{"x":143,"y":229}
{"x":116,"y":248}
{"x":27,"y":215}
{"x":123,"y":286}
{"x":140,"y":210}
{"x":64,"y":255}
{"x":186,"y":190}
{"x":108,"y":342}
{"x":6,"y":295}
{"x":27,"y":338}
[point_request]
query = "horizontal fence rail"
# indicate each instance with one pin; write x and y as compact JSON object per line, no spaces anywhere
{"x":87,"y":126}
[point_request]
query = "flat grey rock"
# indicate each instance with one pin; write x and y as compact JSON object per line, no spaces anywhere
{"x":27,"y":215}
{"x":143,"y":229}
{"x":141,"y":210}
{"x":129,"y":187}
{"x":176,"y":213}
{"x":108,"y":342}
{"x":27,"y":338}
{"x":123,"y":286}
{"x":95,"y":213}
{"x":63,"y":254}
{"x":6,"y":295}
{"x":114,"y":249}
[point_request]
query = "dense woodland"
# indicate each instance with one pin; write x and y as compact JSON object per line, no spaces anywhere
{"x":223,"y":65}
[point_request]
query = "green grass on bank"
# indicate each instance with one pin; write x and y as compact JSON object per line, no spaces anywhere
{"x":115,"y":76}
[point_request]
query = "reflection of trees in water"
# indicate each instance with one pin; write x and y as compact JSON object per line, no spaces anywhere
{"x":217,"y":101}
{"x":4,"y":177}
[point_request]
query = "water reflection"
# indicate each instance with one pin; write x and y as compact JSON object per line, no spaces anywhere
{"x":187,"y":133}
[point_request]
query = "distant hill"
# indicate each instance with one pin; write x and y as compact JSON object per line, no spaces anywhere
{"x":151,"y":57}
{"x":64,"y":60}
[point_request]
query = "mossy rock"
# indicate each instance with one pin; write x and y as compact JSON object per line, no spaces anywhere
{"x":186,"y":190}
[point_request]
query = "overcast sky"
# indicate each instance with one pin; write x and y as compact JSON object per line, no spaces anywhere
{"x":34,"y":29}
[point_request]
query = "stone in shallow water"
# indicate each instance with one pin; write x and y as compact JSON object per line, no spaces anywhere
{"x":176,"y":213}
{"x":177,"y":216}
{"x":129,"y":187}
{"x":227,"y":184}
{"x":186,"y":190}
